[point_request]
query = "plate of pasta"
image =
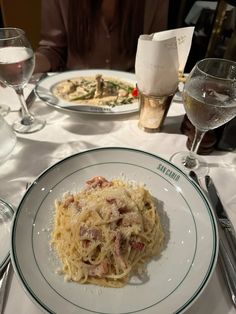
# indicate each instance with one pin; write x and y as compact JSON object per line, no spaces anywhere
{"x":114,"y":230}
{"x":90,"y":91}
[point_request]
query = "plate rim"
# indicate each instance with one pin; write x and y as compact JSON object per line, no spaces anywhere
{"x":93,"y":112}
{"x":215,"y":246}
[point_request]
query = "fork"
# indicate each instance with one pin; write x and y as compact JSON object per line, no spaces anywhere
{"x":3,"y":284}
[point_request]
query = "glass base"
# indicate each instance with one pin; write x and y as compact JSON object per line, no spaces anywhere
{"x":4,"y":110}
{"x":199,"y":166}
{"x":34,"y":126}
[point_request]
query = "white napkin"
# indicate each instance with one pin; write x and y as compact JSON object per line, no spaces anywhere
{"x":159,"y":58}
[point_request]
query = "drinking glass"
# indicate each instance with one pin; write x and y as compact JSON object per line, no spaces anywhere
{"x":209,"y":98}
{"x":16,"y":67}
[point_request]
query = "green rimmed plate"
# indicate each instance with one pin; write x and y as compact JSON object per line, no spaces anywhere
{"x":176,"y":279}
{"x":44,"y":91}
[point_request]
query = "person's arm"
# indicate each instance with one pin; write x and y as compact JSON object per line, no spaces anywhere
{"x":52,"y":51}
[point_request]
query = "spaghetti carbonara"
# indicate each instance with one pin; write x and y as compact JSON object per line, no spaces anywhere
{"x":107,"y":232}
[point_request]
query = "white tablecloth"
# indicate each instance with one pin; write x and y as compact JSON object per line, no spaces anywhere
{"x":65,"y":134}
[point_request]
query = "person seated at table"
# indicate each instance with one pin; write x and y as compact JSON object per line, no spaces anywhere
{"x":83,"y":34}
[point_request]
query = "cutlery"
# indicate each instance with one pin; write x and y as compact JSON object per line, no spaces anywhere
{"x":3,"y":284}
{"x":4,"y":277}
{"x":6,"y":215}
{"x":226,"y":259}
{"x":222,"y":216}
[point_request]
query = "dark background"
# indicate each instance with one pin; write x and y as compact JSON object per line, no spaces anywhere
{"x":178,"y":10}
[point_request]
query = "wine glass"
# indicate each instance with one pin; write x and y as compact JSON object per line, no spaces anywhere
{"x":209,"y":98}
{"x":16,"y":67}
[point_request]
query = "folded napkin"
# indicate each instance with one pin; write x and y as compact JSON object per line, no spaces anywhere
{"x":159,"y":59}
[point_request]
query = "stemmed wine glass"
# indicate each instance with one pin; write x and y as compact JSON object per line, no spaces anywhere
{"x":16,"y":67}
{"x":209,"y":98}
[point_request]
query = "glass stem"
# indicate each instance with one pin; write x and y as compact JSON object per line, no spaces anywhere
{"x":27,"y":118}
{"x":190,"y":161}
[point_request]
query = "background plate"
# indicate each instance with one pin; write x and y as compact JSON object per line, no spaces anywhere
{"x":176,"y":278}
{"x":43,"y":91}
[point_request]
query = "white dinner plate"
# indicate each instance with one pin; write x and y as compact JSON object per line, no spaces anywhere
{"x":44,"y":91}
{"x":176,"y":278}
{"x":6,"y":215}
